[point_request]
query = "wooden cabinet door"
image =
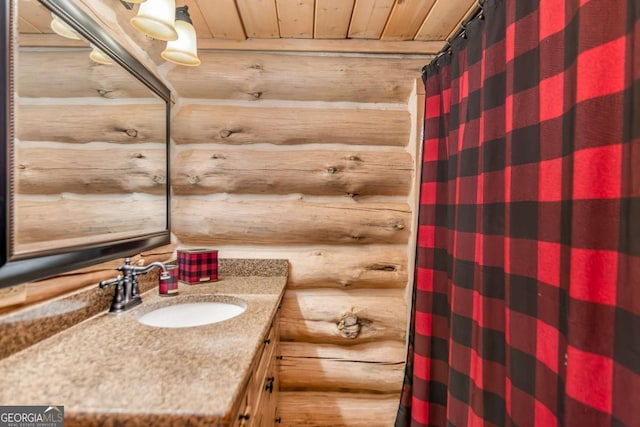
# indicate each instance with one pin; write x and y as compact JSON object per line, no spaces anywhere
{"x":258,"y":408}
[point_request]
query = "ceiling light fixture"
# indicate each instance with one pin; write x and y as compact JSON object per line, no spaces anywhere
{"x":184,"y":50}
{"x":99,"y":56}
{"x":63,"y":29}
{"x":156,"y":19}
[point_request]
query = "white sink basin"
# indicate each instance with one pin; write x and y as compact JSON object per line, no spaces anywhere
{"x":185,"y":315}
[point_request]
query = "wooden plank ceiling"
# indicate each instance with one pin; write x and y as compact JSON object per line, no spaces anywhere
{"x":421,"y":20}
{"x":401,"y":26}
{"x":425,"y":24}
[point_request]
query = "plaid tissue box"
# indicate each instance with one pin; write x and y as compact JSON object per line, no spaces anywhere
{"x":197,"y":265}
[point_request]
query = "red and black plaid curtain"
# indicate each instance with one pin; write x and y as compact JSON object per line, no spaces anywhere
{"x":527,"y":292}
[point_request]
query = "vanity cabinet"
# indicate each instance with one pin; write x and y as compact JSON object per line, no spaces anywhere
{"x":230,"y":381}
{"x":258,"y":405}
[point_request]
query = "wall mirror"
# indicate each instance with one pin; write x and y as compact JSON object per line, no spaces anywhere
{"x":85,"y":144}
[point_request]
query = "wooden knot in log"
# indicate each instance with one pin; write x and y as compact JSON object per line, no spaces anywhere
{"x":103,"y":93}
{"x":131,"y":132}
{"x":139,"y":156}
{"x":352,"y":195}
{"x":160,"y":179}
{"x":382,"y":267}
{"x":194,"y":179}
{"x":354,"y":158}
{"x":349,"y":326}
{"x":256,"y":67}
{"x":399,"y":226}
{"x":226,"y":133}
{"x":217,"y":156}
{"x":21,"y":166}
{"x":332,"y":170}
{"x":344,"y":283}
{"x":256,"y":95}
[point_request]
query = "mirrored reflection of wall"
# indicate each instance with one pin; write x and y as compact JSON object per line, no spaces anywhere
{"x":89,"y":162}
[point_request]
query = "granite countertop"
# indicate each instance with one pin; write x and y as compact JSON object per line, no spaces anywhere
{"x":111,"y":369}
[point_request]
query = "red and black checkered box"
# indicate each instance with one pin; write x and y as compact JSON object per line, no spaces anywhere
{"x":197,"y":265}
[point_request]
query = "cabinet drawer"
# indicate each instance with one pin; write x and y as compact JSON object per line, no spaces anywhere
{"x":244,"y":412}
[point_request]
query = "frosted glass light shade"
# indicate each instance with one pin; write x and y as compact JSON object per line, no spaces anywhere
{"x":156,"y":19}
{"x":135,"y":1}
{"x":184,"y":50}
{"x":63,"y":29}
{"x":99,"y":56}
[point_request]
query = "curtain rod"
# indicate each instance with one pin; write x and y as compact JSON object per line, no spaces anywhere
{"x":477,"y":12}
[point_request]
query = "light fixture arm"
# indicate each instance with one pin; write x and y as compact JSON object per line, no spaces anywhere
{"x":182,"y":14}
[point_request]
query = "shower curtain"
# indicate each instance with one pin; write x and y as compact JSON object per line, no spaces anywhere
{"x":526,"y":302}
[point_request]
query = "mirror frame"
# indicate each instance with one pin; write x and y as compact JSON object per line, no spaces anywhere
{"x":49,"y":263}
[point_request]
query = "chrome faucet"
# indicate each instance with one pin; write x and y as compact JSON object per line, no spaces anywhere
{"x":127,"y":293}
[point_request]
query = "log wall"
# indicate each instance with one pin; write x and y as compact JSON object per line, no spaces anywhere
{"x":84,"y":154}
{"x":312,"y":158}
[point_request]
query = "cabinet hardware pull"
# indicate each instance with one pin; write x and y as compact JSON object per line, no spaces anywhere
{"x":278,"y":420}
{"x":269,"y":386}
{"x":267,"y":341}
{"x":244,"y":417}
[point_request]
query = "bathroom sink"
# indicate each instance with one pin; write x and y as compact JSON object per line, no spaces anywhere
{"x":185,"y":315}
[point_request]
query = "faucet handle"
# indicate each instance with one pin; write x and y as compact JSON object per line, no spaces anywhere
{"x":116,"y":281}
{"x":126,"y":266}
